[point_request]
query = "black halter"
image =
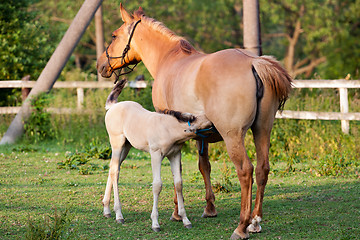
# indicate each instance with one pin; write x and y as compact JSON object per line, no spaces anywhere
{"x":125,"y":52}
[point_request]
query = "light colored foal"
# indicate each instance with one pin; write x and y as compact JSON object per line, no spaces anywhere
{"x":162,"y":135}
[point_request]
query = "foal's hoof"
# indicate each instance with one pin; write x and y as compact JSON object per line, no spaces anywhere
{"x":122,"y":221}
{"x":188,"y":226}
{"x":157,"y":229}
{"x":107,"y":215}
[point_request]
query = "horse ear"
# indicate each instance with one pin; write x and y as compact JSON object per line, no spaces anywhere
{"x":139,"y":13}
{"x":126,"y":17}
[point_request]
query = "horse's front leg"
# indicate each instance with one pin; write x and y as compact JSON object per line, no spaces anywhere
{"x":175,"y":163}
{"x":205,"y":169}
{"x":156,"y":159}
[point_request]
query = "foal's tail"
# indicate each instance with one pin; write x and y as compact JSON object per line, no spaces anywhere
{"x":274,"y":75}
{"x":112,"y":98}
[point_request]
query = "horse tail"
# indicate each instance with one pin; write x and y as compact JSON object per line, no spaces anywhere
{"x":112,"y":98}
{"x":274,"y":75}
{"x":180,"y":116}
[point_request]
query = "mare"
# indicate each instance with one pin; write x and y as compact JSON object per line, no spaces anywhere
{"x":235,"y":89}
{"x":162,"y":135}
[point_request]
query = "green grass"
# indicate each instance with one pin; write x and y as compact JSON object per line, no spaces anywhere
{"x":298,"y":205}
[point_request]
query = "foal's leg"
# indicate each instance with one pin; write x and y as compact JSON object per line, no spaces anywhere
{"x":175,"y":163}
{"x":119,"y":152}
{"x":156,"y":159}
{"x":244,"y":170}
{"x":205,"y":169}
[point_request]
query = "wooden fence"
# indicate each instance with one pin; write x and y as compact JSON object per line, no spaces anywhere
{"x":343,"y":85}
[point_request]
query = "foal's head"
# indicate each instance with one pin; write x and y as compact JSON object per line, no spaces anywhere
{"x":120,"y":53}
{"x":200,"y":122}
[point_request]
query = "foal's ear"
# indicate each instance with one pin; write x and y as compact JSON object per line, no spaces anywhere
{"x":126,"y":17}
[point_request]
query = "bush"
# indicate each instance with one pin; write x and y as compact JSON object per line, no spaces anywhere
{"x":39,"y":127}
{"x":56,"y":227}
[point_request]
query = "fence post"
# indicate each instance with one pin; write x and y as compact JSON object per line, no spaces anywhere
{"x":80,"y":98}
{"x":344,"y":108}
{"x":25,"y":91}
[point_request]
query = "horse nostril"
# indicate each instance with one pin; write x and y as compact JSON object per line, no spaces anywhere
{"x":100,"y":67}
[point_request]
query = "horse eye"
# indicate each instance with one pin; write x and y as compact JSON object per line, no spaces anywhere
{"x":113,"y":37}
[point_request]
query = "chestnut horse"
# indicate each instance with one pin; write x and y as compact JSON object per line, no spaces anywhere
{"x":235,"y":89}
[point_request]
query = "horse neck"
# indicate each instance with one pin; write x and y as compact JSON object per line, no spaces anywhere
{"x":153,"y":48}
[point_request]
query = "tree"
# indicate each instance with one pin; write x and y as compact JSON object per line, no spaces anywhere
{"x":24,"y":46}
{"x":307,"y":34}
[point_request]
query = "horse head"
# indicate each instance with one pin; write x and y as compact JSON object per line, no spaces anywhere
{"x":121,"y":52}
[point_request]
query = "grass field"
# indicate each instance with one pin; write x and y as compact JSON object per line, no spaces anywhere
{"x":298,"y":205}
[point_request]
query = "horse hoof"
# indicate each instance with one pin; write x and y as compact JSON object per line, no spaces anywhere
{"x":207,"y":215}
{"x":122,"y":221}
{"x":175,"y":219}
{"x":107,"y":215}
{"x":157,"y":229}
{"x":236,"y":236}
{"x":188,"y":226}
{"x":254,"y":228}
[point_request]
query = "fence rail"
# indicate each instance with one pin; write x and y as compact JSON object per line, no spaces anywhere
{"x":343,"y":85}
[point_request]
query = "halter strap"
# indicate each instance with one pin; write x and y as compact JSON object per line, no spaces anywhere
{"x":125,"y":52}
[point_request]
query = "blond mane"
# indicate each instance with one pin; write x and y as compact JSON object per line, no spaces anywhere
{"x":183,"y":45}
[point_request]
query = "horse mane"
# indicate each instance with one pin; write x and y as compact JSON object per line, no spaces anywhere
{"x":182,"y":44}
{"x":181,"y":117}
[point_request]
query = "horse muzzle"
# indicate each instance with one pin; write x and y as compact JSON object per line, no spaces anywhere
{"x":104,"y":69}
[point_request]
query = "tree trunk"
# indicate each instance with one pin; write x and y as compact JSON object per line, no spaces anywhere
{"x":99,"y":32}
{"x":252,"y":37}
{"x":54,"y":66}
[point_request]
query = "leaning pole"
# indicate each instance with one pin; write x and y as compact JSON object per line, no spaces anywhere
{"x":54,"y":67}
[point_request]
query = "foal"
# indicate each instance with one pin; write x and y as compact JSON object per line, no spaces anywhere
{"x":130,"y":125}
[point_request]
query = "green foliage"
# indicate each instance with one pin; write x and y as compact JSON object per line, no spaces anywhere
{"x":38,"y":127}
{"x":81,"y":160}
{"x":336,"y":164}
{"x":51,"y":228}
{"x":225,"y":185}
{"x":328,"y":28}
{"x":24,"y":42}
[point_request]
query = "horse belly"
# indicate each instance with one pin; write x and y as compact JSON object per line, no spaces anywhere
{"x":227,"y":88}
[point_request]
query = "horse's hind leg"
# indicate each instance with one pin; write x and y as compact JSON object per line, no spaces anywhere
{"x":244,"y":169}
{"x":262,"y":143}
{"x":205,"y":169}
{"x":261,"y":130}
